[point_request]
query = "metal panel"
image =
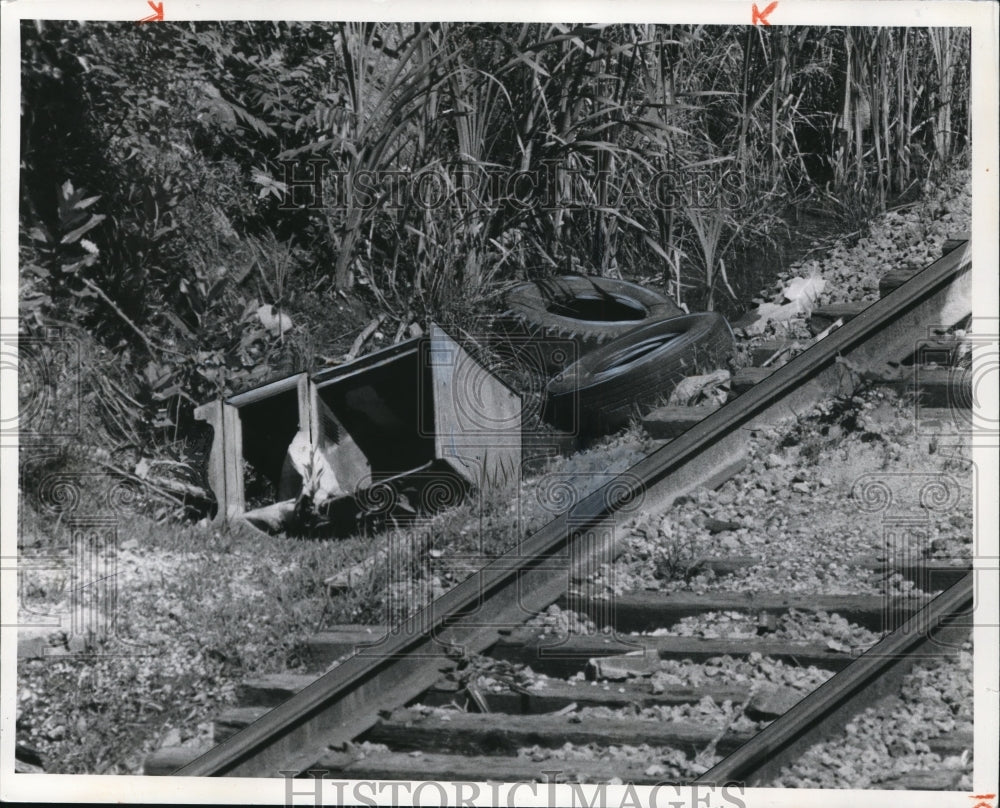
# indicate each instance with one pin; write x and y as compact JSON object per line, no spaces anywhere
{"x":340,"y":449}
{"x":232,"y":441}
{"x":473,"y":422}
{"x":225,"y":469}
{"x":225,"y":462}
{"x":367,"y":362}
{"x":477,"y":419}
{"x":265,"y":391}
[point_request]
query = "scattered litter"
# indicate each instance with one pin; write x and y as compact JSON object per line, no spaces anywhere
{"x":710,"y":388}
{"x":275,"y":321}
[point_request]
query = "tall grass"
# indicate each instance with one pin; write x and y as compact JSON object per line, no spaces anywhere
{"x":900,"y":92}
{"x":590,"y":110}
{"x":588,"y":114}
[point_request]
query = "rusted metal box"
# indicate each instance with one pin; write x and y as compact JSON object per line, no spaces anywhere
{"x":421,"y":410}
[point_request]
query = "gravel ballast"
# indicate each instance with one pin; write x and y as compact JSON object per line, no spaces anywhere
{"x":799,"y":508}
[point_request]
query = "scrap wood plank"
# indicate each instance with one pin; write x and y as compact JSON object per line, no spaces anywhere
{"x":895,"y":278}
{"x":723,"y":565}
{"x":943,"y":349}
{"x":272,"y":689}
{"x":362,"y":338}
{"x":576,"y":652}
{"x":231,"y":721}
{"x":645,"y":611}
{"x":822,"y":318}
{"x":952,"y":743}
{"x":746,"y":378}
{"x":627,"y":666}
{"x":225,"y":472}
{"x":717,"y":565}
{"x":930,"y":575}
{"x":939,"y":779}
{"x":941,"y":387}
{"x":169,"y":759}
{"x":956,"y":240}
{"x":325,"y":647}
{"x":934,"y":387}
{"x":774,"y":349}
{"x":557,"y":694}
{"x":553,"y":695}
{"x":476,"y":768}
{"x":671,"y":421}
{"x":484,"y":733}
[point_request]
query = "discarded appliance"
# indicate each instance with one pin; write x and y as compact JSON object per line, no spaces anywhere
{"x":410,"y":427}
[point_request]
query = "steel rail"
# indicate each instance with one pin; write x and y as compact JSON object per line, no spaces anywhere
{"x":346,"y":701}
{"x":933,"y":633}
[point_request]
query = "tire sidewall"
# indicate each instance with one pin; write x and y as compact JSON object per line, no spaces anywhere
{"x":529,"y":304}
{"x":599,"y":389}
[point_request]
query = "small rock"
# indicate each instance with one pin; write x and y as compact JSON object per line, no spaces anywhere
{"x":773,"y":461}
{"x":77,"y":644}
{"x":27,"y":760}
{"x":766,"y":624}
{"x":772,"y":702}
{"x":802,"y":488}
{"x":730,"y":543}
{"x":714,"y":526}
{"x":172,"y":738}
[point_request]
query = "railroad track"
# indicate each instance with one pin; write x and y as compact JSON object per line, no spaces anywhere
{"x":298,"y":722}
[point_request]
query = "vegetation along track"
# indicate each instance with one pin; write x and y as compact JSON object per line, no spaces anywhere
{"x":364,"y":699}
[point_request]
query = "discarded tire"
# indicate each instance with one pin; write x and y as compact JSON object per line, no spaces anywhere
{"x":600,"y":392}
{"x":572,"y":314}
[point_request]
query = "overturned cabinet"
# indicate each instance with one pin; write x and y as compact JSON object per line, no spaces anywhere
{"x":414,"y":426}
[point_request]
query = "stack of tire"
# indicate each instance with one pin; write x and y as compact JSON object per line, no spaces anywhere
{"x":615,"y":348}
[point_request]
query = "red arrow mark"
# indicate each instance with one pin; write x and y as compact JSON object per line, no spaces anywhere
{"x":157,"y":14}
{"x":761,"y":16}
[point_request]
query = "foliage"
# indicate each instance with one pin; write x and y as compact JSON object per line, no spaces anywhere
{"x":162,"y":206}
{"x":179,"y":649}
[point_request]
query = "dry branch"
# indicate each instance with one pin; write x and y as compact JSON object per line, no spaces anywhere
{"x":363,"y":338}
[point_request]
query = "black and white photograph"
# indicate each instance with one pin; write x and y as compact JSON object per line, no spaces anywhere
{"x":501,"y":405}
